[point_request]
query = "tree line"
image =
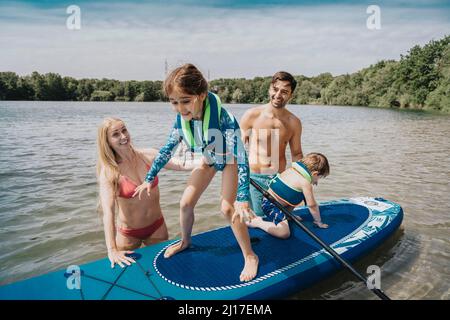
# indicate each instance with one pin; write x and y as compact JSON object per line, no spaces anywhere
{"x":53,"y":87}
{"x":419,"y":80}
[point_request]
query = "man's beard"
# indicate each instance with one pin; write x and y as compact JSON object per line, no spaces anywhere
{"x":272,"y":102}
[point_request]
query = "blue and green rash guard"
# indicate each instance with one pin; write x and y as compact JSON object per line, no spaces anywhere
{"x":197,"y":137}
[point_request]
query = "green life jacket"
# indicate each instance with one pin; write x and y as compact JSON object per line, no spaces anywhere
{"x":210,"y":120}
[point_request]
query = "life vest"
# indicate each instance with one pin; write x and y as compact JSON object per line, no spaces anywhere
{"x":210,"y":123}
{"x":289,"y":194}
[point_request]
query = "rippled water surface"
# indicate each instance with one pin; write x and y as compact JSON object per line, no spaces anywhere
{"x":48,"y":191}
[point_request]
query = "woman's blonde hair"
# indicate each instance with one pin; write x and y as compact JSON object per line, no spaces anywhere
{"x":107,"y":158}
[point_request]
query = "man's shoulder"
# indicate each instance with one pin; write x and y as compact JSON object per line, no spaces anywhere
{"x":252,"y":114}
{"x":293,"y":120}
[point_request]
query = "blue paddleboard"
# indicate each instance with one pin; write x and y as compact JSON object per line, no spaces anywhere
{"x":210,"y":268}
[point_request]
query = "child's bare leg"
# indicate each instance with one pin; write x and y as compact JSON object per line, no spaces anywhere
{"x":197,"y":183}
{"x":281,"y":230}
{"x":240,"y":230}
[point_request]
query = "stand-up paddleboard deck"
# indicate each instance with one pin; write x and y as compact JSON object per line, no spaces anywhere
{"x":210,"y":269}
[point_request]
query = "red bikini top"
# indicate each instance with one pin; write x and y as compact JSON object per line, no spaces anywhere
{"x":127,"y":186}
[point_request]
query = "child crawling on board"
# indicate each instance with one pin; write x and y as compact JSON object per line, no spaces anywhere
{"x":290,"y":188}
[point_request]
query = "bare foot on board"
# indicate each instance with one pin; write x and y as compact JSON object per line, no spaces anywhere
{"x":250,"y":268}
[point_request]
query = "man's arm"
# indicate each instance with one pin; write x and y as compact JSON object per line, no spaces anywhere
{"x":295,"y":143}
{"x":246,"y":126}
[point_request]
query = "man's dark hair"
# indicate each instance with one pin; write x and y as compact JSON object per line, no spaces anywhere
{"x":285,"y":76}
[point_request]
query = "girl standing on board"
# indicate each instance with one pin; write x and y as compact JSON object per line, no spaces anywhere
{"x":119,"y":167}
{"x":215,"y":136}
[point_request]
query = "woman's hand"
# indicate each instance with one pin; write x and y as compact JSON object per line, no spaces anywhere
{"x":144,"y":186}
{"x":243,"y":211}
{"x":119,"y":257}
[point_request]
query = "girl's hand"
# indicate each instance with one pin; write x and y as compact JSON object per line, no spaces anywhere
{"x":320,"y":225}
{"x":243,"y":211}
{"x":144,"y":186}
{"x":120,"y":258}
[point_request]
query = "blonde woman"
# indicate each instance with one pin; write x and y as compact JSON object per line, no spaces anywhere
{"x":119,"y":170}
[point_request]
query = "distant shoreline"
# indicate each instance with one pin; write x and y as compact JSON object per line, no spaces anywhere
{"x":424,"y":111}
{"x":420,"y":80}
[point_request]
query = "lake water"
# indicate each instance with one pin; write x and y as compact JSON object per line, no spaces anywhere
{"x":48,"y":190}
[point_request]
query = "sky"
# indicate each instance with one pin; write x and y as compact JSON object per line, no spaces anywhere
{"x":133,"y":40}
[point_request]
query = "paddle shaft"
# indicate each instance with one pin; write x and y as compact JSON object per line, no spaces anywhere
{"x":378,"y":292}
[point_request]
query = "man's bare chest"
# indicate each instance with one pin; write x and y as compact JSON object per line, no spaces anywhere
{"x":268,"y":128}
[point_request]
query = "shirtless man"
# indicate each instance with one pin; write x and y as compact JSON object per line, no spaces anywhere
{"x":268,"y":129}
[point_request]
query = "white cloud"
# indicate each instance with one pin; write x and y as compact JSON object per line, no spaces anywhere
{"x":132,"y":41}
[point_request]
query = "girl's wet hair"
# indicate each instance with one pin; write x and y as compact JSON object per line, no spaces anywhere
{"x":186,"y":78}
{"x":315,"y":161}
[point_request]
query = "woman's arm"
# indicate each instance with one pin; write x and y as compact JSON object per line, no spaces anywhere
{"x":107,"y":200}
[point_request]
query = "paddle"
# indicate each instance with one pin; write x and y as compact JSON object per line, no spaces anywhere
{"x":378,"y":292}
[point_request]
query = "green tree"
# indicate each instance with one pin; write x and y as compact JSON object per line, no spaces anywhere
{"x":9,"y":86}
{"x":237,"y":96}
{"x":337,"y":92}
{"x":39,"y":86}
{"x":54,"y":87}
{"x":420,"y":79}
{"x":84,"y":90}
{"x":70,"y":85}
{"x":439,"y":99}
{"x":322,"y":80}
{"x":149,"y":91}
{"x":26,"y":89}
{"x":418,"y":74}
{"x":102,"y":95}
{"x":131,"y":90}
{"x":307,"y":92}
{"x":225,"y":95}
